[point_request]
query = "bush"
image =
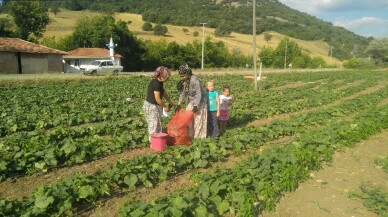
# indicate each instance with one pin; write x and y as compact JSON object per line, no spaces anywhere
{"x":299,"y":62}
{"x":223,"y":30}
{"x":147,"y":26}
{"x":159,"y":29}
{"x":317,"y":62}
{"x":358,"y":63}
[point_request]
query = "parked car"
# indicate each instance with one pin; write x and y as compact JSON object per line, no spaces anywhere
{"x":102,"y":67}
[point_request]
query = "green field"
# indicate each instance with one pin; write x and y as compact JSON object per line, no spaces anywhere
{"x":52,"y":126}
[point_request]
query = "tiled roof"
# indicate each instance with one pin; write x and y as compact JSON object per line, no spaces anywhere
{"x":19,"y":45}
{"x":90,"y":53}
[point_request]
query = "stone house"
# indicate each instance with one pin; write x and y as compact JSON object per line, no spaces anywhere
{"x":18,"y":56}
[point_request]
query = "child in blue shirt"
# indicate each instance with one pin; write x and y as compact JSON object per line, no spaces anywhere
{"x":213,"y":109}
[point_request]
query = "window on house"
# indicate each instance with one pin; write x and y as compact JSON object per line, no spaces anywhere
{"x":77,"y":62}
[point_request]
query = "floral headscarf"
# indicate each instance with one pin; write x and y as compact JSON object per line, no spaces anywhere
{"x":185,"y":70}
{"x":184,"y":85}
{"x":162,"y":71}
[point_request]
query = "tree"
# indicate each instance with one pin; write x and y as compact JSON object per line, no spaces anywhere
{"x":378,"y":49}
{"x":5,"y":27}
{"x":285,"y":52}
{"x":267,"y":37}
{"x":159,"y":29}
{"x":30,"y":17}
{"x":73,"y":5}
{"x":317,"y":62}
{"x":147,"y":26}
{"x":223,"y":30}
{"x":55,"y":10}
{"x":266,"y":56}
{"x":185,"y":30}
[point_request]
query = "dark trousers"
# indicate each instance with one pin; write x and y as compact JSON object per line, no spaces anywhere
{"x":212,"y":121}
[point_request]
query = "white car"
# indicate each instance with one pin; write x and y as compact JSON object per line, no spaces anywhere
{"x":102,"y":67}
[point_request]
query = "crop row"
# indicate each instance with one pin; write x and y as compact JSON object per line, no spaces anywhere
{"x":151,"y":169}
{"x":38,"y":150}
{"x":258,"y":183}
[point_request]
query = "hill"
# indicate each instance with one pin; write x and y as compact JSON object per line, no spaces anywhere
{"x":236,"y":15}
{"x":62,"y":24}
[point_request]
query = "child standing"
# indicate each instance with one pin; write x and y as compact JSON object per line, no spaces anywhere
{"x":213,"y":109}
{"x":225,"y":102}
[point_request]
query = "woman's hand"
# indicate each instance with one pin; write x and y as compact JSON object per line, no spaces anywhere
{"x":195,"y":109}
{"x":218,"y":114}
{"x":166,"y":108}
{"x":177,"y":108}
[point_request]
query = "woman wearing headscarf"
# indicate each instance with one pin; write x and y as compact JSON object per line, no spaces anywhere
{"x":191,"y":91}
{"x":153,"y":105}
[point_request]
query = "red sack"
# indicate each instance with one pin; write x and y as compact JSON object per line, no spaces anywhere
{"x":178,"y":128}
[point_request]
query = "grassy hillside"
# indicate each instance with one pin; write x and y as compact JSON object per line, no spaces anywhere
{"x":63,"y":23}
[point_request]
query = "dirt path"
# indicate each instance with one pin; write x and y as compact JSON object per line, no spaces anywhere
{"x":326,"y":193}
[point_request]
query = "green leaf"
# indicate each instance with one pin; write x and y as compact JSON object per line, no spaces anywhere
{"x":197,"y":154}
{"x":204,"y":190}
{"x":148,"y":184}
{"x":201,"y":211}
{"x":69,"y":148}
{"x":42,"y":202}
{"x":3,"y":165}
{"x":66,"y":205}
{"x":86,"y":191}
{"x":40,"y":165}
{"x":223,"y":207}
{"x":137,"y":213}
{"x":179,"y":203}
{"x":175,"y":212}
{"x":131,"y":180}
{"x":142,"y":177}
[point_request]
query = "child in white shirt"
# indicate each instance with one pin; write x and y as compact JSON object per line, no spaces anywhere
{"x":225,"y":102}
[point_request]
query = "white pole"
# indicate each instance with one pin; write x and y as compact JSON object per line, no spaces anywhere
{"x":254,"y":42}
{"x":203,"y":42}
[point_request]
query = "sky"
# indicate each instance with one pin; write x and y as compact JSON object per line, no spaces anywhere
{"x":363,"y":17}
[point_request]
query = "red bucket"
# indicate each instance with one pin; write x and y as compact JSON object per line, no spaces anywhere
{"x":158,"y":141}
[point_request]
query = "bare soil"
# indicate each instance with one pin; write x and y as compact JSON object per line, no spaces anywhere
{"x":327,"y":192}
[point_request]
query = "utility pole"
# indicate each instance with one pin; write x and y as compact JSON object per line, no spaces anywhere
{"x":203,"y":42}
{"x":331,"y":53}
{"x":254,"y":43}
{"x":285,"y":57}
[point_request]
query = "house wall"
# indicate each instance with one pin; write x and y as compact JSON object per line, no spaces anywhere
{"x":34,"y":63}
{"x":55,"y":63}
{"x":8,"y":63}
